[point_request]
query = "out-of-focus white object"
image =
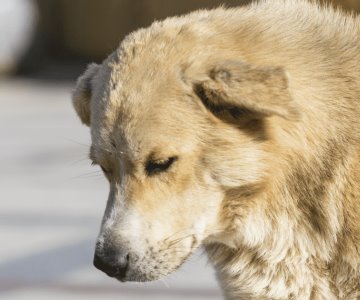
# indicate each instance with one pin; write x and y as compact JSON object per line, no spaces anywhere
{"x":18,"y":20}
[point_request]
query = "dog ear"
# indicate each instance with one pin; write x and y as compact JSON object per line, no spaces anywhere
{"x":239,"y":87}
{"x":81,"y":97}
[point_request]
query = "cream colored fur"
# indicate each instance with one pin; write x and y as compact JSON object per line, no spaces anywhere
{"x":260,"y":109}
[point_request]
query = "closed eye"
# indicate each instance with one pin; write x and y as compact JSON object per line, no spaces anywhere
{"x":93,"y":163}
{"x":153,"y":167}
{"x":104,"y":170}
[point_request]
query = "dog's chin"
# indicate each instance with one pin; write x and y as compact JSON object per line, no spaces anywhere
{"x":140,"y":278}
{"x":154,"y":274}
{"x":143,"y":277}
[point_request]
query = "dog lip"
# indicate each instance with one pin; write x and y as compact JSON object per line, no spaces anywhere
{"x":121,"y":278}
{"x":118,"y":274}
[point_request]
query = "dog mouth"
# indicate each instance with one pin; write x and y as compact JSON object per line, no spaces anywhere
{"x":151,"y":275}
{"x":149,"y":271}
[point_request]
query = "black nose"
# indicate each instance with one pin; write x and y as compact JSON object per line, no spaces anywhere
{"x":114,"y":266}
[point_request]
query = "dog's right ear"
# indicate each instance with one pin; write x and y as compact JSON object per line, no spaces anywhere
{"x":238,"y":87}
{"x":81,"y":97}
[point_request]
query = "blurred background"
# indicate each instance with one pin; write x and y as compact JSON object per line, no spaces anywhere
{"x":51,"y":200}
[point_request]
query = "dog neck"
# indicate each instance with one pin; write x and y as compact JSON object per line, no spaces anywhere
{"x":280,"y":238}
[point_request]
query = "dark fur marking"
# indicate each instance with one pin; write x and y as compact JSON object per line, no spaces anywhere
{"x":309,"y":183}
{"x":249,"y":121}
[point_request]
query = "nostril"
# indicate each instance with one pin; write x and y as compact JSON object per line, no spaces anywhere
{"x":123,"y":260}
{"x":113,"y":266}
{"x":100,"y":264}
{"x":123,"y":263}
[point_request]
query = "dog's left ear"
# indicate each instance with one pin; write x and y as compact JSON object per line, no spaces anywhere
{"x":236,"y":85}
{"x":82,"y":94}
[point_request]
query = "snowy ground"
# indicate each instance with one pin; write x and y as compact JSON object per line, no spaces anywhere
{"x":51,"y":203}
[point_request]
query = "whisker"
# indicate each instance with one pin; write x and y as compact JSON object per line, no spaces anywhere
{"x":73,"y":141}
{"x":77,"y":161}
{"x":164,"y":282}
{"x":87,"y":175}
{"x":173,"y":234}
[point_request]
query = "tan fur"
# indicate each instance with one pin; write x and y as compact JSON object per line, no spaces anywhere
{"x":260,"y":107}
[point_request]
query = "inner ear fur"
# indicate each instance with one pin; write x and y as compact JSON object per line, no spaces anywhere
{"x":81,"y":97}
{"x":261,"y":90}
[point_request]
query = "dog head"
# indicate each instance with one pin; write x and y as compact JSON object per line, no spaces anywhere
{"x":179,"y":135}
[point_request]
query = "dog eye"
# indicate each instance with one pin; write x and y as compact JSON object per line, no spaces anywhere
{"x":238,"y":112}
{"x":104,"y":170}
{"x":155,"y":167}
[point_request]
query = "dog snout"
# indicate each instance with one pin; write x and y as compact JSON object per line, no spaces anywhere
{"x":115,"y":264}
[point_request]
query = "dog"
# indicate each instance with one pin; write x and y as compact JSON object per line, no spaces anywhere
{"x":237,"y":130}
